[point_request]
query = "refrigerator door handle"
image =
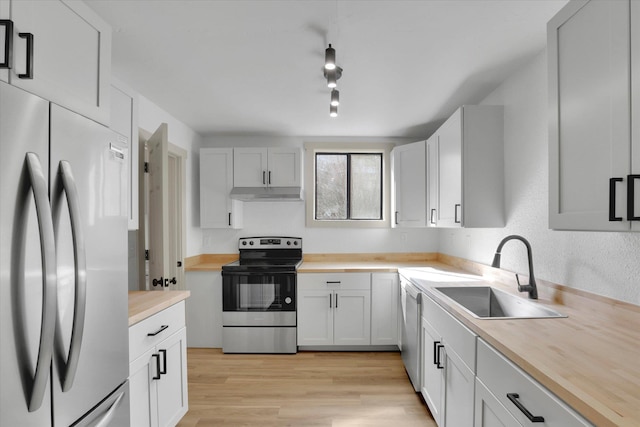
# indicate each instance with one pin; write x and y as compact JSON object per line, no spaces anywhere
{"x":49,"y":280}
{"x":80,"y":260}
{"x":108,"y":416}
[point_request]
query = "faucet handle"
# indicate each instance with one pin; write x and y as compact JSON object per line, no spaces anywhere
{"x":523,"y":288}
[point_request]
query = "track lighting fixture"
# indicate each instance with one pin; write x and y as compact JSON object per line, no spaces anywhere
{"x":332,"y":73}
{"x":335,"y":98}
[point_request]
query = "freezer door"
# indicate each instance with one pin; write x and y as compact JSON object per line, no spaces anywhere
{"x":111,"y":412}
{"x":24,"y":127}
{"x":89,"y":201}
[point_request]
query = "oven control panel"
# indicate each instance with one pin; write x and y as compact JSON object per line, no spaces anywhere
{"x":270,"y":243}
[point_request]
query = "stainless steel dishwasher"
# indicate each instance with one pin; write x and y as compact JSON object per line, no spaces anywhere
{"x":411,"y":346}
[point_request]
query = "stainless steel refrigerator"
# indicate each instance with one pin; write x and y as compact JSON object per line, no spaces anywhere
{"x":63,"y":267}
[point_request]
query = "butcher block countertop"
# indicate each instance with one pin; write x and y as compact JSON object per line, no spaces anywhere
{"x":143,"y":304}
{"x":591,"y":359}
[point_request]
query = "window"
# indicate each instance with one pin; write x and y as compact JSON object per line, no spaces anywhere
{"x":347,"y":184}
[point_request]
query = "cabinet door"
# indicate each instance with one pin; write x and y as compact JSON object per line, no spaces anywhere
{"x":589,"y":125}
{"x":432,"y":181}
{"x":71,"y":55}
{"x":172,"y":385}
{"x":315,"y":317}
{"x":143,"y":390}
{"x":432,"y":374}
{"x":217,"y":210}
{"x":250,"y":167}
{"x":352,"y":317}
{"x":459,"y":390}
{"x":409,"y":164}
{"x":4,"y":29}
{"x":489,"y":412}
{"x":449,"y":213}
{"x":284,"y":167}
{"x":385,"y":292}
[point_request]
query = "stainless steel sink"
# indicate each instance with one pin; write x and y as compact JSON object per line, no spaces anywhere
{"x":485,"y":302}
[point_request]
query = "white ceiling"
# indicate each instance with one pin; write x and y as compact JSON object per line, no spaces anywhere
{"x":254,"y":67}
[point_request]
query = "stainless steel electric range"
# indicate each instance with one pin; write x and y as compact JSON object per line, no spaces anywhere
{"x":259,"y":296}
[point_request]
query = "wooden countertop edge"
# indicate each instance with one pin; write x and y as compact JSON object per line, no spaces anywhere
{"x":144,"y":304}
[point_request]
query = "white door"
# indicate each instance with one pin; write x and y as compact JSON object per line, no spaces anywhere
{"x":143,"y":390}
{"x":352,"y":317}
{"x":284,"y":167}
{"x":489,"y":412}
{"x":158,"y":210}
{"x":70,"y":48}
{"x":589,"y":129}
{"x":172,"y":385}
{"x":410,"y":185}
{"x":432,"y":371}
{"x":432,"y":181}
{"x":450,"y":172}
{"x":385,"y":292}
{"x":315,"y":317}
{"x":458,"y":390}
{"x":176,"y":210}
{"x":250,"y":167}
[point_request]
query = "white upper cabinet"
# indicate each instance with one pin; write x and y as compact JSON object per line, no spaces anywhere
{"x":466,"y":155}
{"x":594,"y":143}
{"x":61,"y":52}
{"x":408,"y":163}
{"x":217,"y":210}
{"x":267,"y":167}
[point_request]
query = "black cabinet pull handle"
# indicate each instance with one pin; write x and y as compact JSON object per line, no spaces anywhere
{"x":631,"y":195}
{"x":158,"y":373}
{"x":436,"y":353}
{"x":29,"y":73}
{"x":336,"y":300}
{"x":163,"y":370}
{"x":162,"y":328}
{"x":229,"y":219}
{"x":612,"y":199}
{"x":396,"y":218}
{"x":333,"y":282}
{"x":455,"y":214}
{"x":513,"y":397}
{"x":8,"y":43}
{"x":330,"y":297}
{"x":269,"y":177}
{"x":433,"y":211}
{"x":263,"y":177}
{"x":438,"y":361}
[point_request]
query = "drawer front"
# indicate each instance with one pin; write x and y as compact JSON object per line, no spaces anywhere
{"x":321,"y":281}
{"x":456,"y":336}
{"x":503,"y":377}
{"x":149,"y":332}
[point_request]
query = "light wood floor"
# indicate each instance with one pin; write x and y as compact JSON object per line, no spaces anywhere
{"x":305,"y":389}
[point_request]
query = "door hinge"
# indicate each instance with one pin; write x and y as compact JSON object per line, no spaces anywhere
{"x":146,"y":254}
{"x":146,"y":167}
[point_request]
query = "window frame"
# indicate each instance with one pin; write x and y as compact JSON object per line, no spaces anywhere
{"x":311,"y":149}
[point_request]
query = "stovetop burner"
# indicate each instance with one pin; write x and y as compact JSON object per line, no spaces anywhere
{"x":264,"y":254}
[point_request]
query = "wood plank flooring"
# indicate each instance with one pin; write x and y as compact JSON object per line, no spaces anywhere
{"x":305,"y":389}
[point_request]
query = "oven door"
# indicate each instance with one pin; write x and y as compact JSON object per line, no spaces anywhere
{"x":258,"y":292}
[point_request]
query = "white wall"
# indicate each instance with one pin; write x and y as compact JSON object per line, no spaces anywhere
{"x":288,"y":218}
{"x":602,"y":263}
{"x":150,"y":116}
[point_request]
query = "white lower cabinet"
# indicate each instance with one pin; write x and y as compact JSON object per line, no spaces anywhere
{"x":385,"y":304}
{"x":448,"y":366}
{"x":158,"y":368}
{"x":334,"y":309}
{"x":507,"y":393}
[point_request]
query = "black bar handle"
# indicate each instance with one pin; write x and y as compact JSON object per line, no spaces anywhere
{"x":433,"y":211}
{"x":163,"y":370}
{"x":438,"y":361}
{"x":162,"y":328}
{"x":263,"y":178}
{"x":631,"y":196}
{"x":396,"y":218}
{"x":29,"y":73}
{"x":336,"y":300}
{"x":455,"y":214}
{"x":333,"y":282}
{"x":229,"y":219}
{"x":269,"y":177}
{"x":436,"y":353}
{"x":8,"y":43}
{"x":157,"y":375}
{"x":612,"y":199}
{"x":513,"y":397}
{"x":330,"y":306}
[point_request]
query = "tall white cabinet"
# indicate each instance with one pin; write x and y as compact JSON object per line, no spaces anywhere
{"x":61,"y":52}
{"x":217,"y":209}
{"x":594,"y":141}
{"x":465,"y":158}
{"x":408,"y":169}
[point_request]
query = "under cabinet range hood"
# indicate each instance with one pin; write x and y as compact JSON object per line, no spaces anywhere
{"x":267,"y":194}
